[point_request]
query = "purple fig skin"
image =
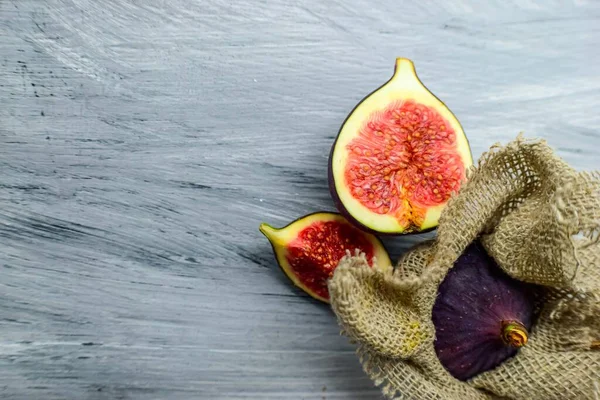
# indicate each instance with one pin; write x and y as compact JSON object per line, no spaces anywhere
{"x":473,"y":301}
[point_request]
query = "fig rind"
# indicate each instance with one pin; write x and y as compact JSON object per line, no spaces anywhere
{"x":481,"y":315}
{"x":284,"y":243}
{"x":403,"y":86}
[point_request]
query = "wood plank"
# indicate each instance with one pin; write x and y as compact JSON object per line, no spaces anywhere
{"x":142,"y":143}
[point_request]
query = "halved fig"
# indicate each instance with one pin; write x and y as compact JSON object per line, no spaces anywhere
{"x":482,"y":316}
{"x":309,"y":249}
{"x":398,"y":157}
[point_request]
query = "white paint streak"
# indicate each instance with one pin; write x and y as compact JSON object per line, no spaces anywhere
{"x":142,"y":143}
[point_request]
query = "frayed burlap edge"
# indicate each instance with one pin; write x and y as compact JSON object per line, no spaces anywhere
{"x":368,"y":301}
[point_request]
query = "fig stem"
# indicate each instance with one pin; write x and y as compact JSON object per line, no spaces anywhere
{"x":404,"y":66}
{"x":271,"y":234}
{"x":514,"y":334}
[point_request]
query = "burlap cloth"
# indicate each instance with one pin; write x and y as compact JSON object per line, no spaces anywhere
{"x":539,"y":218}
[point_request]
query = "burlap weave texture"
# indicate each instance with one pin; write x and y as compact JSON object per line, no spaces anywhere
{"x":539,"y":218}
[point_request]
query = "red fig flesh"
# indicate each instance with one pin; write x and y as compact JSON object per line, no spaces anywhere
{"x":309,"y":249}
{"x":398,"y":157}
{"x":482,"y":316}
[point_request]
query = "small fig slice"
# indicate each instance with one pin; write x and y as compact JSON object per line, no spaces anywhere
{"x":309,"y":249}
{"x":398,"y":157}
{"x":482,"y":316}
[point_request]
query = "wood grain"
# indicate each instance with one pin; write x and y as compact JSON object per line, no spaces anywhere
{"x":142,"y":143}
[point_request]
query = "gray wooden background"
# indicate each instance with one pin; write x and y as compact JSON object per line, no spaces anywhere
{"x":142,"y":143}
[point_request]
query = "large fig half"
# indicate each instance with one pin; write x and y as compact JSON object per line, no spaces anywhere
{"x":309,"y":249}
{"x":482,"y":316}
{"x":398,"y":157}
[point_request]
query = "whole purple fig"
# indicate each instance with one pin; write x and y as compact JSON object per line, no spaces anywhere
{"x":482,"y":316}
